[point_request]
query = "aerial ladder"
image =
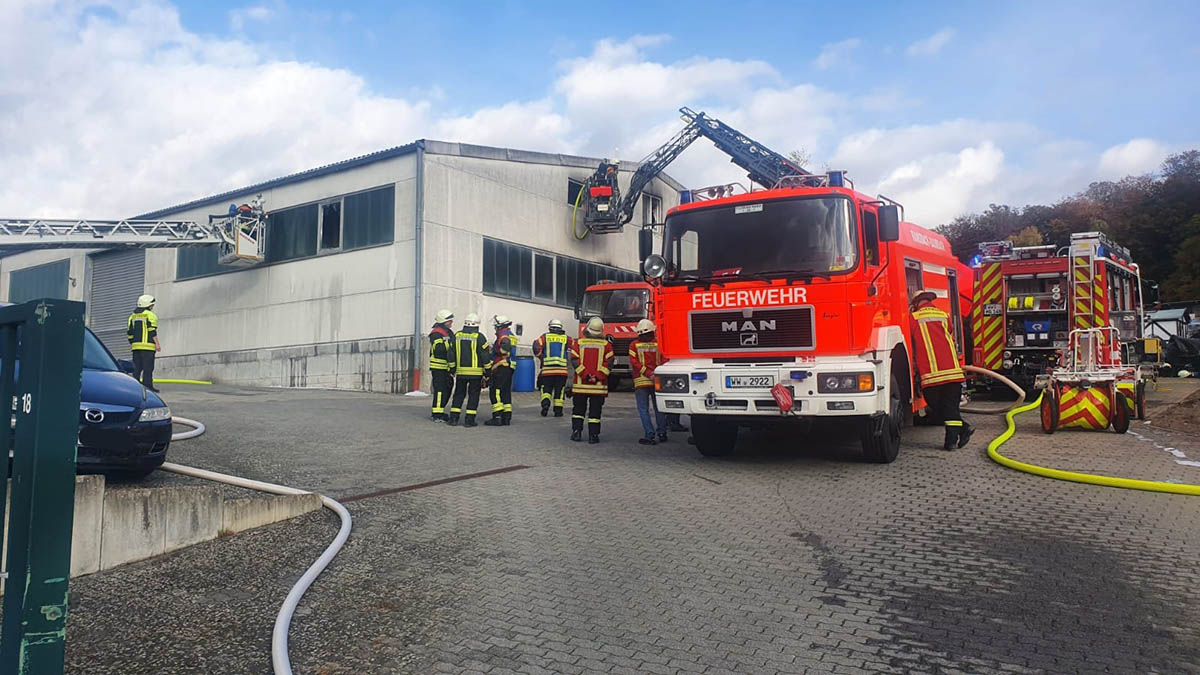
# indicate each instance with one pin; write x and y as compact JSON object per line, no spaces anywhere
{"x":606,"y":211}
{"x":240,"y":235}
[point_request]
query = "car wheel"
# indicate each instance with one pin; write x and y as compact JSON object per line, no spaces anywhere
{"x":714,"y":437}
{"x":881,"y":437}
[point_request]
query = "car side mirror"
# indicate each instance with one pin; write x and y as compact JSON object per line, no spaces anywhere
{"x":889,"y":223}
{"x":125,"y":365}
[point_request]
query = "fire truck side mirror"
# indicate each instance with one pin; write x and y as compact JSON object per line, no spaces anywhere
{"x":645,"y":242}
{"x":889,"y":223}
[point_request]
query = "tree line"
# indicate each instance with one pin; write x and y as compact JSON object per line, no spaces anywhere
{"x":1156,"y":216}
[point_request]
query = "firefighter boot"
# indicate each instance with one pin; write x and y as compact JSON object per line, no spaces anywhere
{"x":952,"y":436}
{"x":593,"y":432}
{"x":506,"y":418}
{"x":452,"y":419}
{"x":545,"y":407}
{"x":494,"y":422}
{"x":470,"y":421}
{"x":964,"y":434}
{"x":558,"y":411}
{"x":576,"y":429}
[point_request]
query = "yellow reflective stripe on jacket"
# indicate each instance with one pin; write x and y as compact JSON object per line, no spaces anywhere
{"x":436,"y":362}
{"x":141,"y":330}
{"x":466,"y":351}
{"x":939,"y":372}
{"x":553,"y":340}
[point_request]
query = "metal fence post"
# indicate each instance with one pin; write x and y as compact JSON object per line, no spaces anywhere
{"x":42,"y":497}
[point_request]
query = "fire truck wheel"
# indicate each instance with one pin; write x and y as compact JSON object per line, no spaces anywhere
{"x":714,"y":437}
{"x":1049,"y":411}
{"x":1120,"y":417}
{"x":1139,"y":392}
{"x":882,"y":448}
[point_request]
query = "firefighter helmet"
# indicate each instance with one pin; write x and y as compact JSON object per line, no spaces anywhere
{"x":922,"y":296}
{"x":555,"y":324}
{"x":472,"y":320}
{"x":443,"y":316}
{"x":145,"y":302}
{"x":645,"y":326}
{"x":595,"y":327}
{"x":501,"y":320}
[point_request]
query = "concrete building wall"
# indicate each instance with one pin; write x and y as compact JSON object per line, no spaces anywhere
{"x":76,"y":290}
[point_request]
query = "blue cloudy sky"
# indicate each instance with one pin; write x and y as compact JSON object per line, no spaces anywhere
{"x":107,"y":109}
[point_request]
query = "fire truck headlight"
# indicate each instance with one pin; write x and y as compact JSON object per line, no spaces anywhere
{"x":1006,"y":363}
{"x":1007,"y":354}
{"x":673,"y":384}
{"x":845,"y":382}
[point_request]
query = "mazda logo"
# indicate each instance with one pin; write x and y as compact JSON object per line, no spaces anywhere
{"x":94,"y":415}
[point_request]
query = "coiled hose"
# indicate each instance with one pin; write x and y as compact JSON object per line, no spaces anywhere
{"x":280,"y":662}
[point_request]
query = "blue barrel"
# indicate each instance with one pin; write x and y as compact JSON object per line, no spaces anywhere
{"x":525,"y":378}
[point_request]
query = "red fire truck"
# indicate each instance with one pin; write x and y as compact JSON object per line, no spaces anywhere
{"x":621,"y":305}
{"x":804,"y":285}
{"x":1029,"y":299}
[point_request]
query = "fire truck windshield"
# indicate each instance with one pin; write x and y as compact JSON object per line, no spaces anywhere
{"x":807,"y":236}
{"x":616,"y":305}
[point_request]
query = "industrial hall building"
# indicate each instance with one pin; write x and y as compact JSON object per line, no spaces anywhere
{"x":359,"y":256}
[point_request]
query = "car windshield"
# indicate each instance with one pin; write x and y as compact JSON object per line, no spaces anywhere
{"x":616,"y":305}
{"x":805,"y":236}
{"x":95,"y":356}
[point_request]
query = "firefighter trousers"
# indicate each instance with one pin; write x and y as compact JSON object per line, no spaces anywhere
{"x":500,"y":389}
{"x":442,"y":387}
{"x":553,"y":387}
{"x":586,"y":407}
{"x":466,"y":387}
{"x":143,"y":367}
{"x":943,"y":400}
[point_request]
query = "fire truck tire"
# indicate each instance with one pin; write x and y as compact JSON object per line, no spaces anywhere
{"x":1049,"y":411}
{"x":1120,"y":416}
{"x":1139,"y":392}
{"x":714,"y":437}
{"x":882,"y":448}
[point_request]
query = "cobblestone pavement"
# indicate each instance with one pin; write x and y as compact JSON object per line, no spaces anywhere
{"x":789,"y":557}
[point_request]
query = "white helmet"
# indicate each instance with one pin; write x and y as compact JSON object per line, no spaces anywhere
{"x":595,"y":327}
{"x":555,"y":323}
{"x":472,"y":320}
{"x":145,"y":302}
{"x":443,"y":316}
{"x":645,"y":326}
{"x":501,"y":320}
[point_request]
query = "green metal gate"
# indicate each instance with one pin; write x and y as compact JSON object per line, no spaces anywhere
{"x":41,"y":358}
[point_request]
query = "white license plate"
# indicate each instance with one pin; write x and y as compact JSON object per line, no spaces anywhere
{"x":749,"y":381}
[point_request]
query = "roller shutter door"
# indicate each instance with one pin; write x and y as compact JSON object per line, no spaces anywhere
{"x":118,"y":278}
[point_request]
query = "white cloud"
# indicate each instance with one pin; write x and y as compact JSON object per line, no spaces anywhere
{"x":238,"y":18}
{"x":520,"y":125}
{"x":1138,"y":156}
{"x":931,"y":45}
{"x":835,"y":53}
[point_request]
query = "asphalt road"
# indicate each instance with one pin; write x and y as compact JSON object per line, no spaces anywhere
{"x":789,"y":557}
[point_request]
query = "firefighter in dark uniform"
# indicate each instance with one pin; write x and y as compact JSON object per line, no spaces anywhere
{"x":500,"y":378}
{"x":552,"y":349}
{"x":470,"y":358}
{"x":593,"y":357}
{"x":936,"y":362}
{"x":441,"y":362}
{"x":142,"y":331}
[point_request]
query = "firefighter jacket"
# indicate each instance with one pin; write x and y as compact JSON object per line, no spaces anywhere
{"x":552,"y":350}
{"x":644,"y":357}
{"x":441,"y":348}
{"x":933,"y":347}
{"x":141,"y":329}
{"x":593,"y":359}
{"x":504,"y":350}
{"x":470,"y":352}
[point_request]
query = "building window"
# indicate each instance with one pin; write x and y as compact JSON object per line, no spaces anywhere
{"x":369,"y":218}
{"x":574,"y":276}
{"x":292,"y":233}
{"x":331,"y":226}
{"x":507,"y":269}
{"x":651,"y":209}
{"x":573,"y":188}
{"x":39,"y":281}
{"x":197,"y":261}
{"x":543,"y":277}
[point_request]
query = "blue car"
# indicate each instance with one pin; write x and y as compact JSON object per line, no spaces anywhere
{"x":124,"y":428}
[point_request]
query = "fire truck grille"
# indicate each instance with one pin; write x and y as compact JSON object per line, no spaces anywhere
{"x":621,"y":346}
{"x":752,"y":329}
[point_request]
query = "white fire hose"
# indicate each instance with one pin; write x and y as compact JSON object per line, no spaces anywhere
{"x":279,"y":636}
{"x":997,"y":376}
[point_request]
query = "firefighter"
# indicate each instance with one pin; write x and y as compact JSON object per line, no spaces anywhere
{"x":441,"y":362}
{"x":643,"y":359}
{"x":936,"y":362}
{"x":470,"y":357}
{"x":500,"y":378}
{"x":593,"y":356}
{"x":552,"y":349}
{"x":142,"y":331}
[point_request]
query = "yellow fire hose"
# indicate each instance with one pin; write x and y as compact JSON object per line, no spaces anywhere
{"x":1059,"y":474}
{"x":178,"y":381}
